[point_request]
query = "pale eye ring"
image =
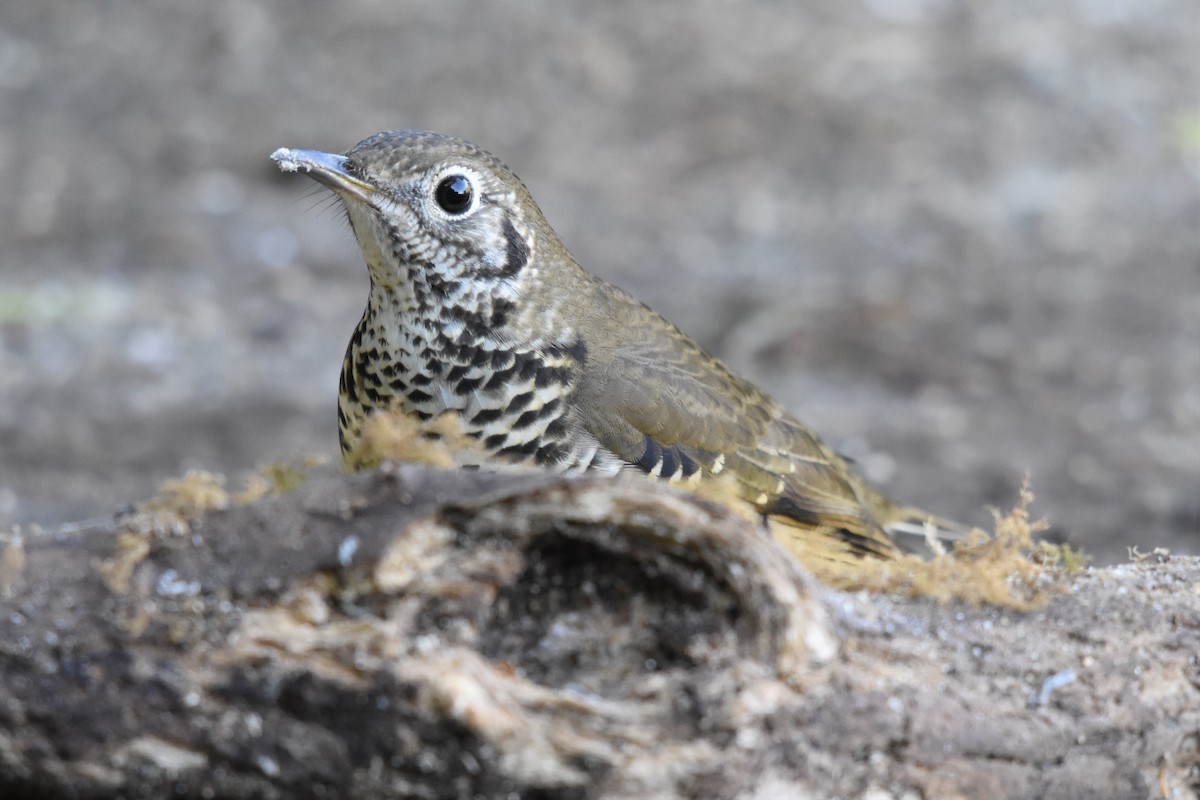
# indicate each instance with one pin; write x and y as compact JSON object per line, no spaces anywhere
{"x":454,"y":194}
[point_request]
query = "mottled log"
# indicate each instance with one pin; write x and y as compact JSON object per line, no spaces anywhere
{"x":423,"y":633}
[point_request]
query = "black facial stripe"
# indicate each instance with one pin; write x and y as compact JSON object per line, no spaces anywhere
{"x":517,"y":252}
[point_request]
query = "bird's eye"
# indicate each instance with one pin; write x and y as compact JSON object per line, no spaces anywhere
{"x":453,"y":194}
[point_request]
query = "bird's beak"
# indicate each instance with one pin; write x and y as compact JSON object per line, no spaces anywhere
{"x":326,"y":168}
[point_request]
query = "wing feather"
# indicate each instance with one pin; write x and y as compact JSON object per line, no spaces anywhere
{"x":658,"y":399}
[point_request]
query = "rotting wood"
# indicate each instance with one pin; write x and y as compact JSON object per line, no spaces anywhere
{"x":424,"y":633}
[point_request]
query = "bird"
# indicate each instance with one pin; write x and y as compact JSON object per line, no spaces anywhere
{"x":477,"y":309}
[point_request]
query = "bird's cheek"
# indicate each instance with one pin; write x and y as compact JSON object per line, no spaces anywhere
{"x":367,"y":230}
{"x":376,"y":242}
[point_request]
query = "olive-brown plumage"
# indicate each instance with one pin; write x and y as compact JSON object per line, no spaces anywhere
{"x":477,"y":308}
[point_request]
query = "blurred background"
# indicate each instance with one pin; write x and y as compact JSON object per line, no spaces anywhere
{"x":961,"y":238}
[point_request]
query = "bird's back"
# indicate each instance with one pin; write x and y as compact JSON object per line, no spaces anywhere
{"x":660,"y":402}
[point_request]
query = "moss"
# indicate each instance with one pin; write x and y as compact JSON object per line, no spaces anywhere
{"x":187,"y":497}
{"x":395,"y":436}
{"x":284,"y":477}
{"x":131,"y":548}
{"x":1010,"y":568}
{"x":1158,"y":554}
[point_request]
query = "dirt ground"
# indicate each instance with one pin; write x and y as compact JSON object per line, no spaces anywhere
{"x":961,"y":239}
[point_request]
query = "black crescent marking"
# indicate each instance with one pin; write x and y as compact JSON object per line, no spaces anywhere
{"x":534,"y":414}
{"x":501,"y":310}
{"x":669,"y":464}
{"x":569,"y":351}
{"x":486,"y":415}
{"x":650,"y":457}
{"x":524,"y":449}
{"x":690,"y":467}
{"x":418,"y":396}
{"x":548,"y":375}
{"x":668,"y":458}
{"x":519,"y":402}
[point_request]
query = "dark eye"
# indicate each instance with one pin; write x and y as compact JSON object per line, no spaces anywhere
{"x":453,"y":194}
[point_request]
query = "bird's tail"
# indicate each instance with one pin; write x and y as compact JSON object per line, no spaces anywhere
{"x":849,"y":540}
{"x":917,"y":531}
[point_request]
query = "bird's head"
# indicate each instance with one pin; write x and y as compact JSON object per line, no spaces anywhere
{"x":431,"y":209}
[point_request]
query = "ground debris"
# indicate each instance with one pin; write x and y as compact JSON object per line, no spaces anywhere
{"x":413,"y":631}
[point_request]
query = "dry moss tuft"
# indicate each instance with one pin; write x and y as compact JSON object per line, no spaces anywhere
{"x":279,"y":477}
{"x":169,"y":513}
{"x":1158,"y":554}
{"x":395,"y":436}
{"x":1010,"y":569}
{"x":131,"y":548}
{"x":188,"y":497}
{"x":284,"y":477}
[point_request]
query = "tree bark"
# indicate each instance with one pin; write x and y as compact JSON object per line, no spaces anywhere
{"x":422,"y":633}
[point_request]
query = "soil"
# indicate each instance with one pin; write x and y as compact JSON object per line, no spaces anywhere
{"x":961,"y":239}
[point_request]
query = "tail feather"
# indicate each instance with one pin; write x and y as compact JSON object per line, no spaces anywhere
{"x":847,"y":543}
{"x":917,"y":531}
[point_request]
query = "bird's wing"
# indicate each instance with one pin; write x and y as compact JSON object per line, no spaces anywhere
{"x":665,"y":406}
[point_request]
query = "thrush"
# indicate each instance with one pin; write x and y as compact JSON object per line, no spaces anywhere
{"x":477,"y":308}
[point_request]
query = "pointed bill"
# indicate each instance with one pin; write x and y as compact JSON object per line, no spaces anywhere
{"x":327,"y":168}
